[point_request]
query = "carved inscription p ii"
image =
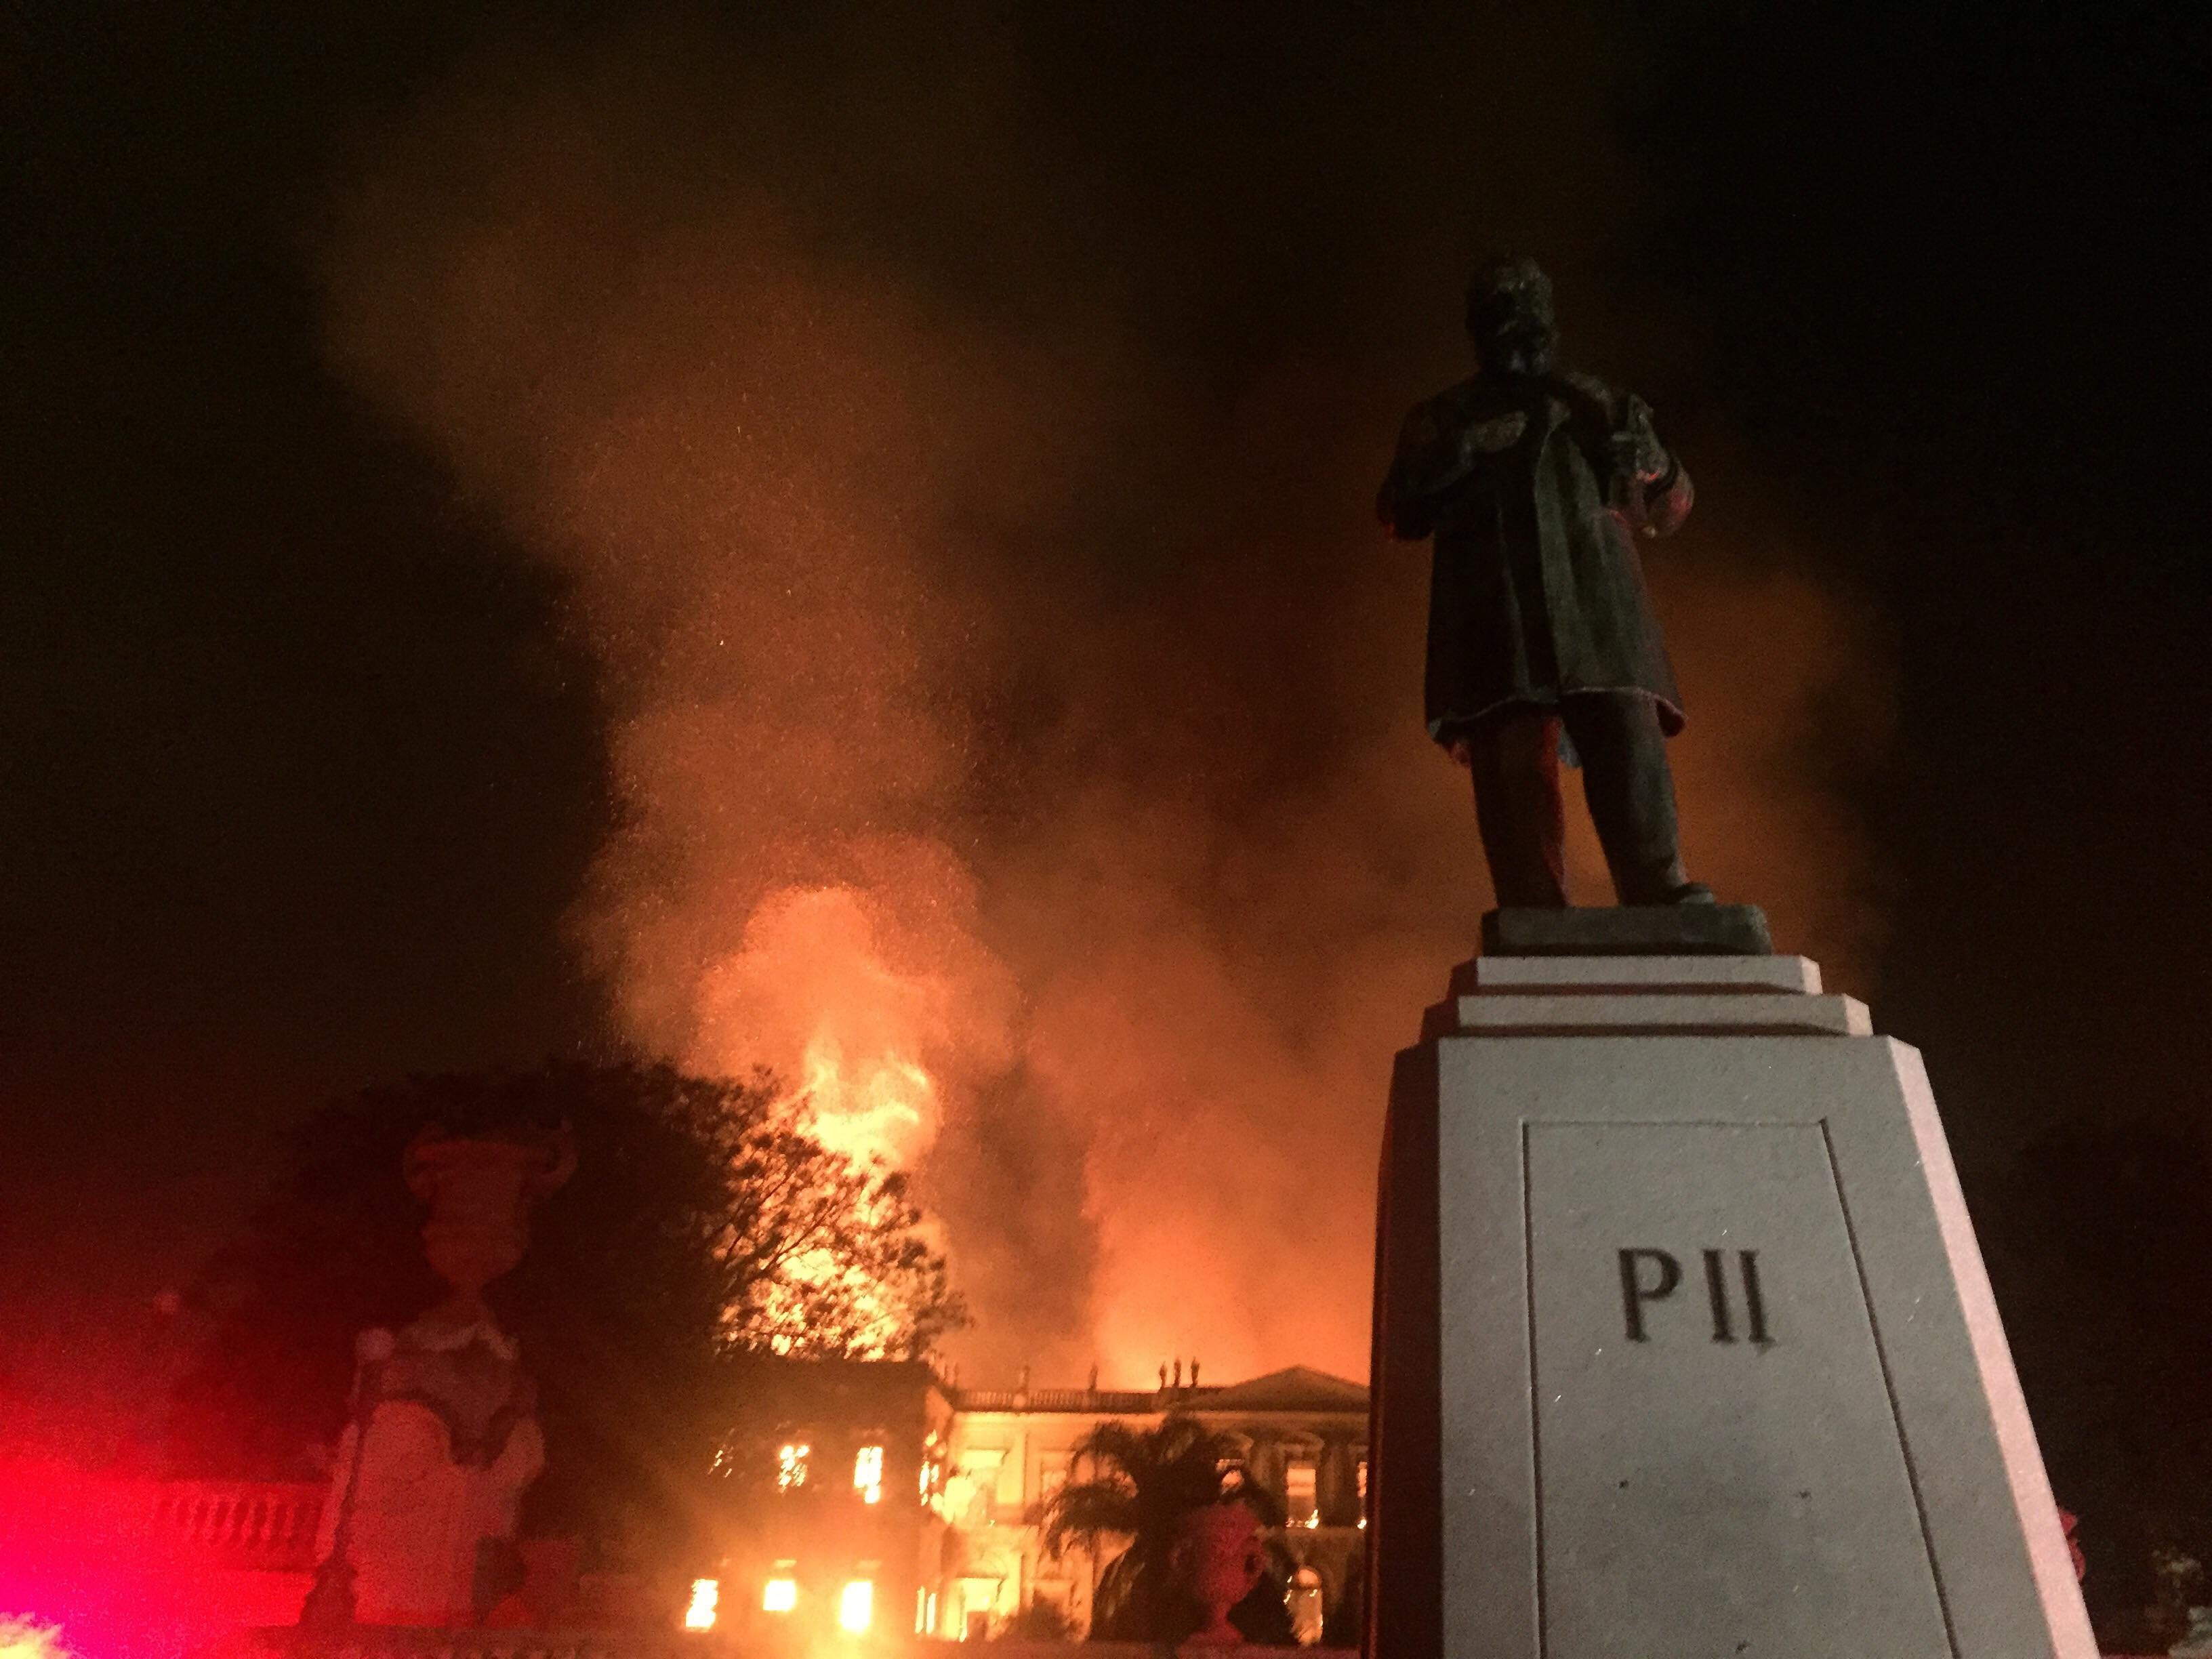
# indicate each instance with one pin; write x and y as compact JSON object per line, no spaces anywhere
{"x":1649,"y":1276}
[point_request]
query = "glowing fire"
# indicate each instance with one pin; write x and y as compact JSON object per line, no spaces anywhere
{"x":878,"y":1111}
{"x":789,"y":1328}
{"x":873,"y":1002}
{"x":706,"y":1595}
{"x":873,"y":1108}
{"x":20,"y":1638}
{"x":878,"y":1108}
{"x":856,"y":1005}
{"x":868,"y":1474}
{"x":856,"y":1605}
{"x":791,"y":1465}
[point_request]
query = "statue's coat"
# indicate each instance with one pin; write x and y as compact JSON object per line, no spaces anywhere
{"x":1538,"y":590}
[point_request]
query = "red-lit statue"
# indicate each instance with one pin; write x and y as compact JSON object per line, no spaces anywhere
{"x":443,"y":1440}
{"x":1535,"y":483}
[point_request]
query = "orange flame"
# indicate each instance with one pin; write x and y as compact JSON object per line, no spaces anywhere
{"x":21,"y":1638}
{"x":850,"y":1003}
{"x":873,"y":1107}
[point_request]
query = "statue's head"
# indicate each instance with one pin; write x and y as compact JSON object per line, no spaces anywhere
{"x":1508,"y":317}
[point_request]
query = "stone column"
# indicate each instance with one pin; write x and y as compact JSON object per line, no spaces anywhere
{"x":1684,"y":1345}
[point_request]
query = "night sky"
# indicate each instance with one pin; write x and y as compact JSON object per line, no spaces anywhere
{"x":302,"y":756}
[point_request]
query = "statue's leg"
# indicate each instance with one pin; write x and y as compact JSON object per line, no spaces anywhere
{"x":1514,"y":757}
{"x":1631,"y":790}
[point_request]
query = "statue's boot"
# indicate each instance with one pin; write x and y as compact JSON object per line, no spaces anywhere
{"x":1631,"y":791}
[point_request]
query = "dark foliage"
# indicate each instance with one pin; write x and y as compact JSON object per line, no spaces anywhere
{"x":699,"y":1226}
{"x":1040,"y":1621}
{"x":2134,"y":1257}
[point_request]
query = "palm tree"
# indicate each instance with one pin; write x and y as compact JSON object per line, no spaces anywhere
{"x":1142,"y":1483}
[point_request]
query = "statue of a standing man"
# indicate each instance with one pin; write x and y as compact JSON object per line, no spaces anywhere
{"x":1535,"y":483}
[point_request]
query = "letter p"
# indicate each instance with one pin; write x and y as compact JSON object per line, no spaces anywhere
{"x":1634,"y":1293}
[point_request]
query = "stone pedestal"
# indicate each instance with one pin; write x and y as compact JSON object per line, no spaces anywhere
{"x":423,"y":1488}
{"x":1684,"y":1347}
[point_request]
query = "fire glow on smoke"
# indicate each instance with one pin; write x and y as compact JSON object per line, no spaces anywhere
{"x":1019,"y":736}
{"x":810,"y":995}
{"x":24,"y":1638}
{"x":850,"y":1029}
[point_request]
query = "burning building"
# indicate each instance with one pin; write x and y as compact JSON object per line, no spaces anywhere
{"x":877,"y":1495}
{"x":830,"y":1470}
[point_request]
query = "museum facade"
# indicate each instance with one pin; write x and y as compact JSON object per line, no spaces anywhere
{"x":877,"y":1495}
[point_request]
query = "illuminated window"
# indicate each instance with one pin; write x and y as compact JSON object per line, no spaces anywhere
{"x":856,"y":1605}
{"x":700,"y":1613}
{"x":1300,"y":1485}
{"x":780,"y":1594}
{"x":868,"y":1474}
{"x":790,"y":1465}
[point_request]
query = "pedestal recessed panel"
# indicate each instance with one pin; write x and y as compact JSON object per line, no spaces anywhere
{"x":1720,"y":1469}
{"x":1683,"y":1349}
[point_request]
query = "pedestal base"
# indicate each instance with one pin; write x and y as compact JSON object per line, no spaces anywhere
{"x":1684,"y":1347}
{"x":1628,"y":930}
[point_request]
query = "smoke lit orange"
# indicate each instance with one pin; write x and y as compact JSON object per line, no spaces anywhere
{"x":1019,"y":744}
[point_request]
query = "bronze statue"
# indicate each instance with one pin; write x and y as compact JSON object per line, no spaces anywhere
{"x":1535,"y":483}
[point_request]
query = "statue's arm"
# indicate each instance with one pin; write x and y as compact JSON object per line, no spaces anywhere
{"x":1668,"y":501}
{"x":1659,"y":473}
{"x":1424,"y":467}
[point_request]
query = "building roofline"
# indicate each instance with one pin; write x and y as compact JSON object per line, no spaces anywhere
{"x":1294,"y":1388}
